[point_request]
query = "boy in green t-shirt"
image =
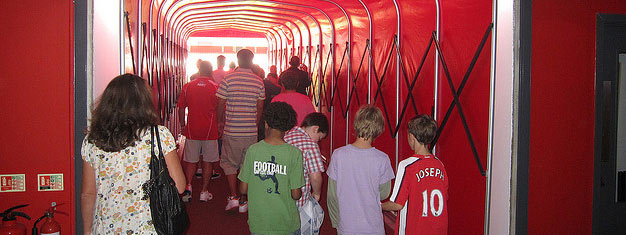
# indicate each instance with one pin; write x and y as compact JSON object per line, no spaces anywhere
{"x":272,"y":176}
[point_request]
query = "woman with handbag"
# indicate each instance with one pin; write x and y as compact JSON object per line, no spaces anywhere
{"x":117,"y":155}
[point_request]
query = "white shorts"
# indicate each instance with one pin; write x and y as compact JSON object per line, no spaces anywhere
{"x":207,"y":148}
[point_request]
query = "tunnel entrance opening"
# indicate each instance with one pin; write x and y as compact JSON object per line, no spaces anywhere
{"x":209,"y":48}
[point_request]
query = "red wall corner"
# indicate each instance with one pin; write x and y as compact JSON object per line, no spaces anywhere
{"x":37,"y":104}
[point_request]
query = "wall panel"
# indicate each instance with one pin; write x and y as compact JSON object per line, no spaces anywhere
{"x":37,"y":103}
{"x":562,"y":114}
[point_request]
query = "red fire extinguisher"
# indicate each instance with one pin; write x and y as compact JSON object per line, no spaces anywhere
{"x":49,"y":226}
{"x":9,"y":225}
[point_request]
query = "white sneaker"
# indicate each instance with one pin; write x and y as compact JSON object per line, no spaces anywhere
{"x":243,"y":207}
{"x":205,"y":196}
{"x":233,"y":202}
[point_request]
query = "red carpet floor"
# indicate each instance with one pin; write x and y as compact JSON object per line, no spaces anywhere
{"x":210,"y":217}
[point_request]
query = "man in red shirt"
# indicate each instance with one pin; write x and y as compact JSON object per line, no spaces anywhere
{"x":198,"y":96}
{"x":421,"y":189}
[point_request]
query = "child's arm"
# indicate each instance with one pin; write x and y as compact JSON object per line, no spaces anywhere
{"x":332,"y":202}
{"x":392,"y":206}
{"x":243,"y":187}
{"x":384,"y":190}
{"x":316,"y":184}
{"x":295,"y":193}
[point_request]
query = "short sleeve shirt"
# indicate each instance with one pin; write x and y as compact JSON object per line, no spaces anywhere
{"x":119,"y":176}
{"x":422,"y":187}
{"x":199,"y":97}
{"x":271,"y":172}
{"x":241,"y":89}
{"x":359,"y":174}
{"x":218,"y":75}
{"x":300,"y":103}
{"x":311,"y":157}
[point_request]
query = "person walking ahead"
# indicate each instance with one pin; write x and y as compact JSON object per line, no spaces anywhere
{"x":239,"y":108}
{"x":116,"y":159}
{"x":198,"y":97}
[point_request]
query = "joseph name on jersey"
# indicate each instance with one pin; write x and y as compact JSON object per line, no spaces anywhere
{"x":429,"y":172}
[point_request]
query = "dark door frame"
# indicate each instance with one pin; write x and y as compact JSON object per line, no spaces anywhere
{"x":604,"y":146}
{"x":80,"y":100}
{"x":520,"y":171}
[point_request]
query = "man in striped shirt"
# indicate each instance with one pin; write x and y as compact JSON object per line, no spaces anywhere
{"x":240,"y":105}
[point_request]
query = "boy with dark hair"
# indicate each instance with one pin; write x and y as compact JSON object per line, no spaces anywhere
{"x":359,"y":176}
{"x":421,"y":180}
{"x":305,"y":137}
{"x":271,"y":175}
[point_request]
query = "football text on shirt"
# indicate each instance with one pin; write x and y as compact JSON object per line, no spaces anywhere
{"x":269,"y":168}
{"x":429,"y":172}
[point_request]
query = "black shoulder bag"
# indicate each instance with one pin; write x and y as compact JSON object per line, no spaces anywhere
{"x":169,"y":215}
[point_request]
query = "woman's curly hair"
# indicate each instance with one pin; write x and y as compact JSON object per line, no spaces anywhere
{"x":280,"y":116}
{"x":124,"y":110}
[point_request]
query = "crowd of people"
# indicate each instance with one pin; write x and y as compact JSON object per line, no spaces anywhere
{"x":263,"y":132}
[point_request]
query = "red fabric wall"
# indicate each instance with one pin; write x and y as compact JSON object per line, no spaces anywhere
{"x":560,"y":196}
{"x":37,"y":104}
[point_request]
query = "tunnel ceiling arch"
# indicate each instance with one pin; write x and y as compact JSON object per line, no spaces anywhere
{"x":357,"y":51}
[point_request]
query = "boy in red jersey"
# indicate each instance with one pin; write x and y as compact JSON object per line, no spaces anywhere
{"x":421,"y":180}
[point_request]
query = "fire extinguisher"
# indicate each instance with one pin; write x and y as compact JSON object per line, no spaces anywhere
{"x":9,"y":225}
{"x":49,"y":226}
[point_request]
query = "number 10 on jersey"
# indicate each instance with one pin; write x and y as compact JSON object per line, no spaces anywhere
{"x":434,"y":193}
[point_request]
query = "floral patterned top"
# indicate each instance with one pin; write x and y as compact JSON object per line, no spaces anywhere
{"x":119,"y":177}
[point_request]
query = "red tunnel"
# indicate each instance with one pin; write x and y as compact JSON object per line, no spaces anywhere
{"x":520,"y":155}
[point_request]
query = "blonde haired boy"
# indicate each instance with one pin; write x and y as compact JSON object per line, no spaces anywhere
{"x":359,"y":176}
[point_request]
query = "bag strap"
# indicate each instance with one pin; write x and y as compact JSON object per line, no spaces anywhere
{"x":156,"y":130}
{"x":151,"y":141}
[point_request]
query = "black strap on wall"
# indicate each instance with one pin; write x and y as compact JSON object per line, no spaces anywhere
{"x":130,"y":41}
{"x":310,"y":72}
{"x":156,"y":72}
{"x":353,"y":90}
{"x":323,"y":76}
{"x":411,"y":86}
{"x":379,"y":83}
{"x":145,"y":58}
{"x":334,"y":88}
{"x":455,"y":94}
